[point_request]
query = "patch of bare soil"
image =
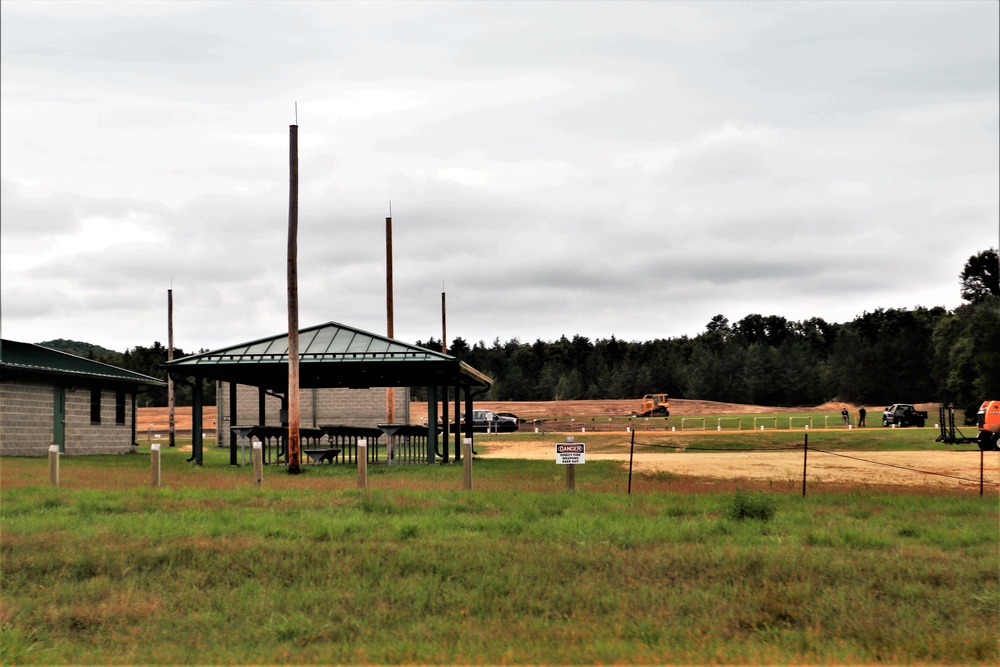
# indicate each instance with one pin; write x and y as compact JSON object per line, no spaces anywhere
{"x":948,"y":469}
{"x":158,"y":419}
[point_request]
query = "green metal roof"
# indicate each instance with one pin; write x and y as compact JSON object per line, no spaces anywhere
{"x":331,"y":355}
{"x":26,"y":359}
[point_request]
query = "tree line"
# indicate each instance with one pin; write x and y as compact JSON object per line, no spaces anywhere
{"x":882,"y":357}
{"x":140,"y":359}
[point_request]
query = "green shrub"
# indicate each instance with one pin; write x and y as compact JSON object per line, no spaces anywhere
{"x":758,"y":506}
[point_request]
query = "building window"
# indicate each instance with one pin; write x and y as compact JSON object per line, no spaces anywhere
{"x":95,"y":406}
{"x":120,"y":406}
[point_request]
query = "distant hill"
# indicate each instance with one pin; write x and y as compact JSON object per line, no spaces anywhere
{"x":85,"y":350}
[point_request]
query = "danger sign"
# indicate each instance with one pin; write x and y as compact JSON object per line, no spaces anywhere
{"x":571,"y":453}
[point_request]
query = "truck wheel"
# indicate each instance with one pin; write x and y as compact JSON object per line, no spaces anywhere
{"x":996,"y":442}
{"x":989,"y":442}
{"x":885,"y":421}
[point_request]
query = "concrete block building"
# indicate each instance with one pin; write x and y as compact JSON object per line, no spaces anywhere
{"x":49,"y":397}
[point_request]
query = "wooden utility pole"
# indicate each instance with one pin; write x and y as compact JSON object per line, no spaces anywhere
{"x":390,"y":392}
{"x":170,"y":378}
{"x":294,"y":414}
{"x":444,"y":326}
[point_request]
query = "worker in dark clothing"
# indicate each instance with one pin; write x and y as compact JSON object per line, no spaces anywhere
{"x":861,"y":416}
{"x":846,"y":415}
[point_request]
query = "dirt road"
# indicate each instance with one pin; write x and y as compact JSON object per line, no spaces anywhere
{"x":923,"y":469}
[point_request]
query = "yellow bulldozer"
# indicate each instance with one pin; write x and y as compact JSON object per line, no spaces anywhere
{"x":653,"y":405}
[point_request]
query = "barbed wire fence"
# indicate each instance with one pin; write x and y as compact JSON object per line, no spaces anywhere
{"x":806,"y":449}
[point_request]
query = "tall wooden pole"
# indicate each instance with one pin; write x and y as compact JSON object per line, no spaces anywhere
{"x":390,"y":392}
{"x":170,"y":378}
{"x":294,"y":414}
{"x":444,"y":326}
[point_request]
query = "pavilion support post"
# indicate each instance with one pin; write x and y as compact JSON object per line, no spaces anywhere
{"x":444,"y":423}
{"x":458,"y":422}
{"x":432,"y":420}
{"x":261,"y":407}
{"x":233,"y":420}
{"x":196,"y":407}
{"x":468,"y":415}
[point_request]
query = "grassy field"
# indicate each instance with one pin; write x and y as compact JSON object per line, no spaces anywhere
{"x":309,"y":569}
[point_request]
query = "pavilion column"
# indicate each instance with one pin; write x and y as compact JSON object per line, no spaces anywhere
{"x":468,"y":413}
{"x":432,"y":418}
{"x":233,"y":421}
{"x":444,"y":423}
{"x":261,"y":406}
{"x":458,"y":422}
{"x":196,"y":441}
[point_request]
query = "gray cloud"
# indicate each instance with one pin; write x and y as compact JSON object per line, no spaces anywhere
{"x":596,"y":169}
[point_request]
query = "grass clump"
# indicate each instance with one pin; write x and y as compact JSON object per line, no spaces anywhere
{"x":756,"y":506}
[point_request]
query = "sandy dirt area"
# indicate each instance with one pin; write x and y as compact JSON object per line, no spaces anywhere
{"x":924,"y":469}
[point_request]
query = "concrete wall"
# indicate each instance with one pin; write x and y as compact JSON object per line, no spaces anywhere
{"x":26,"y":420}
{"x":349,"y":407}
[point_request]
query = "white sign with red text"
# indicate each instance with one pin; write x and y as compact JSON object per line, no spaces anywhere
{"x":571,"y":453}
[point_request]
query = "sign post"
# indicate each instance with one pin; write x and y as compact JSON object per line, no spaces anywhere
{"x":570,"y":454}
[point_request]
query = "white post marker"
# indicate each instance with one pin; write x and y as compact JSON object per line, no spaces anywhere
{"x":362,"y":461}
{"x":467,"y":463}
{"x":257,"y":456}
{"x":154,"y":464}
{"x":54,"y":465}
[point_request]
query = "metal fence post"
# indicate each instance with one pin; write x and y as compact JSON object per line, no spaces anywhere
{"x":805,"y":459}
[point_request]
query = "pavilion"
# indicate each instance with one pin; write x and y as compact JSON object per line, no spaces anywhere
{"x":335,"y":355}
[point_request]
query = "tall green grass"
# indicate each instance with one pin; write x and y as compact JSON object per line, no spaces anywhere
{"x":209,"y":569}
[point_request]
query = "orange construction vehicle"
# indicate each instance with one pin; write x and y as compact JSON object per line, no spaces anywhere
{"x":653,"y":405}
{"x":987,"y":421}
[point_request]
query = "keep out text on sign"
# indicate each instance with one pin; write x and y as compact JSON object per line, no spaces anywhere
{"x":571,"y":453}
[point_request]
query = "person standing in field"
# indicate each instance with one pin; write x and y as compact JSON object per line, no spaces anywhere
{"x":846,"y":415}
{"x":861,"y":416}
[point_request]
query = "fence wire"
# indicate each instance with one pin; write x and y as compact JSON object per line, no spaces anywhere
{"x":893,"y":465}
{"x":657,"y":445}
{"x":719,"y":449}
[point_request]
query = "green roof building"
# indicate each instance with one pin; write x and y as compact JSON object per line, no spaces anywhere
{"x":48,"y":397}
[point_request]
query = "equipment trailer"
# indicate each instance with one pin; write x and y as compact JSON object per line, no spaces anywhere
{"x":987,"y":421}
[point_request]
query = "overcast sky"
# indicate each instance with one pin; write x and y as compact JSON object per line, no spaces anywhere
{"x":602,"y":168}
